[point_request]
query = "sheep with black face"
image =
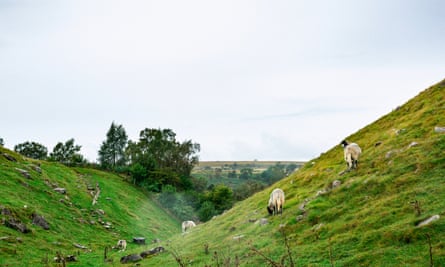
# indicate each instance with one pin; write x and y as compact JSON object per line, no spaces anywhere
{"x":352,"y":153}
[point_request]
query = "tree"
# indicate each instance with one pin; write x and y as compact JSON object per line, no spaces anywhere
{"x":32,"y":150}
{"x":2,"y":143}
{"x":67,"y":153}
{"x":166,"y":160}
{"x":246,"y":173}
{"x":112,"y":150}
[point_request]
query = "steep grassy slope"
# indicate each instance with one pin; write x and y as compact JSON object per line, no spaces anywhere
{"x":370,"y":220}
{"x":122,"y":212}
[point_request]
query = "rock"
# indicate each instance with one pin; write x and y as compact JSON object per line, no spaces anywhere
{"x":131,"y":258}
{"x":24,"y":173}
{"x":438,"y":129}
{"x":60,"y":190}
{"x":9,"y":157}
{"x":156,"y":240}
{"x":36,"y":168}
{"x":429,"y":220}
{"x":263,"y":221}
{"x":238,"y":237}
{"x":336,"y":184}
{"x":299,"y":218}
{"x":139,"y":240}
{"x":252,"y":220}
{"x":79,"y":246}
{"x":5,"y":211}
{"x":40,"y":221}
{"x":17,"y":225}
{"x":321,"y":192}
{"x":389,"y":154}
{"x":152,"y":251}
{"x":413,"y":144}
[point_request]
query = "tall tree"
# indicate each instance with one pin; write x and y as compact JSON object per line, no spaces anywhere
{"x":112,"y":150}
{"x":2,"y":143}
{"x":67,"y":153}
{"x":32,"y":150}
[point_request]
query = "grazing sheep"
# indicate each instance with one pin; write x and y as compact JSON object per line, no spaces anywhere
{"x":276,"y":202}
{"x":121,"y":245}
{"x":186,"y":225}
{"x":352,"y":153}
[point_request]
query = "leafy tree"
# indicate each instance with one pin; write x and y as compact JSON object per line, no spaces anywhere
{"x":67,"y":153}
{"x":165,"y":160}
{"x":222,"y":197}
{"x":112,"y":150}
{"x":2,"y":143}
{"x":246,"y":173}
{"x":207,"y":211}
{"x":32,"y":150}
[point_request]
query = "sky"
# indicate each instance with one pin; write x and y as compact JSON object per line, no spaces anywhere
{"x":247,"y":80}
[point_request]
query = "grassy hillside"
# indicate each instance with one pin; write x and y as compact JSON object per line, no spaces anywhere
{"x":122,"y":212}
{"x":369,"y":220}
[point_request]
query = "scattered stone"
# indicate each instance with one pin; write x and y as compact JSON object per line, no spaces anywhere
{"x":263,"y":221}
{"x":5,"y":211}
{"x":238,"y":237}
{"x":336,"y":184}
{"x":156,"y":240}
{"x":60,"y":190}
{"x":438,"y":129}
{"x":389,"y":154}
{"x":100,"y":212}
{"x":9,"y":157}
{"x":429,"y":220}
{"x":131,"y":258}
{"x":40,"y":221}
{"x":139,"y":240}
{"x":152,"y":251}
{"x":413,"y":144}
{"x":299,"y":218}
{"x":17,"y":225}
{"x":24,"y":173}
{"x":36,"y":168}
{"x":107,"y":225}
{"x":79,"y":246}
{"x":108,"y":198}
{"x":252,"y":220}
{"x":321,"y":192}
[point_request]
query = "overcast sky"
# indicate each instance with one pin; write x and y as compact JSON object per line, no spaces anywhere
{"x":265,"y":80}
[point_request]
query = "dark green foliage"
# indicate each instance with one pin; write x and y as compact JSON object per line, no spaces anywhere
{"x":67,"y":153}
{"x":2,"y":143}
{"x":112,"y":150}
{"x":207,"y":211}
{"x":165,"y":160}
{"x":32,"y":150}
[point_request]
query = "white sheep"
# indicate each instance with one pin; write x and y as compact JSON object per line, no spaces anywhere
{"x":352,"y":153}
{"x":276,"y":202}
{"x":186,"y":225}
{"x":121,"y":245}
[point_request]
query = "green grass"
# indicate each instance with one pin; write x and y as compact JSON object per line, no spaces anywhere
{"x":72,"y":217}
{"x":368,"y":221}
